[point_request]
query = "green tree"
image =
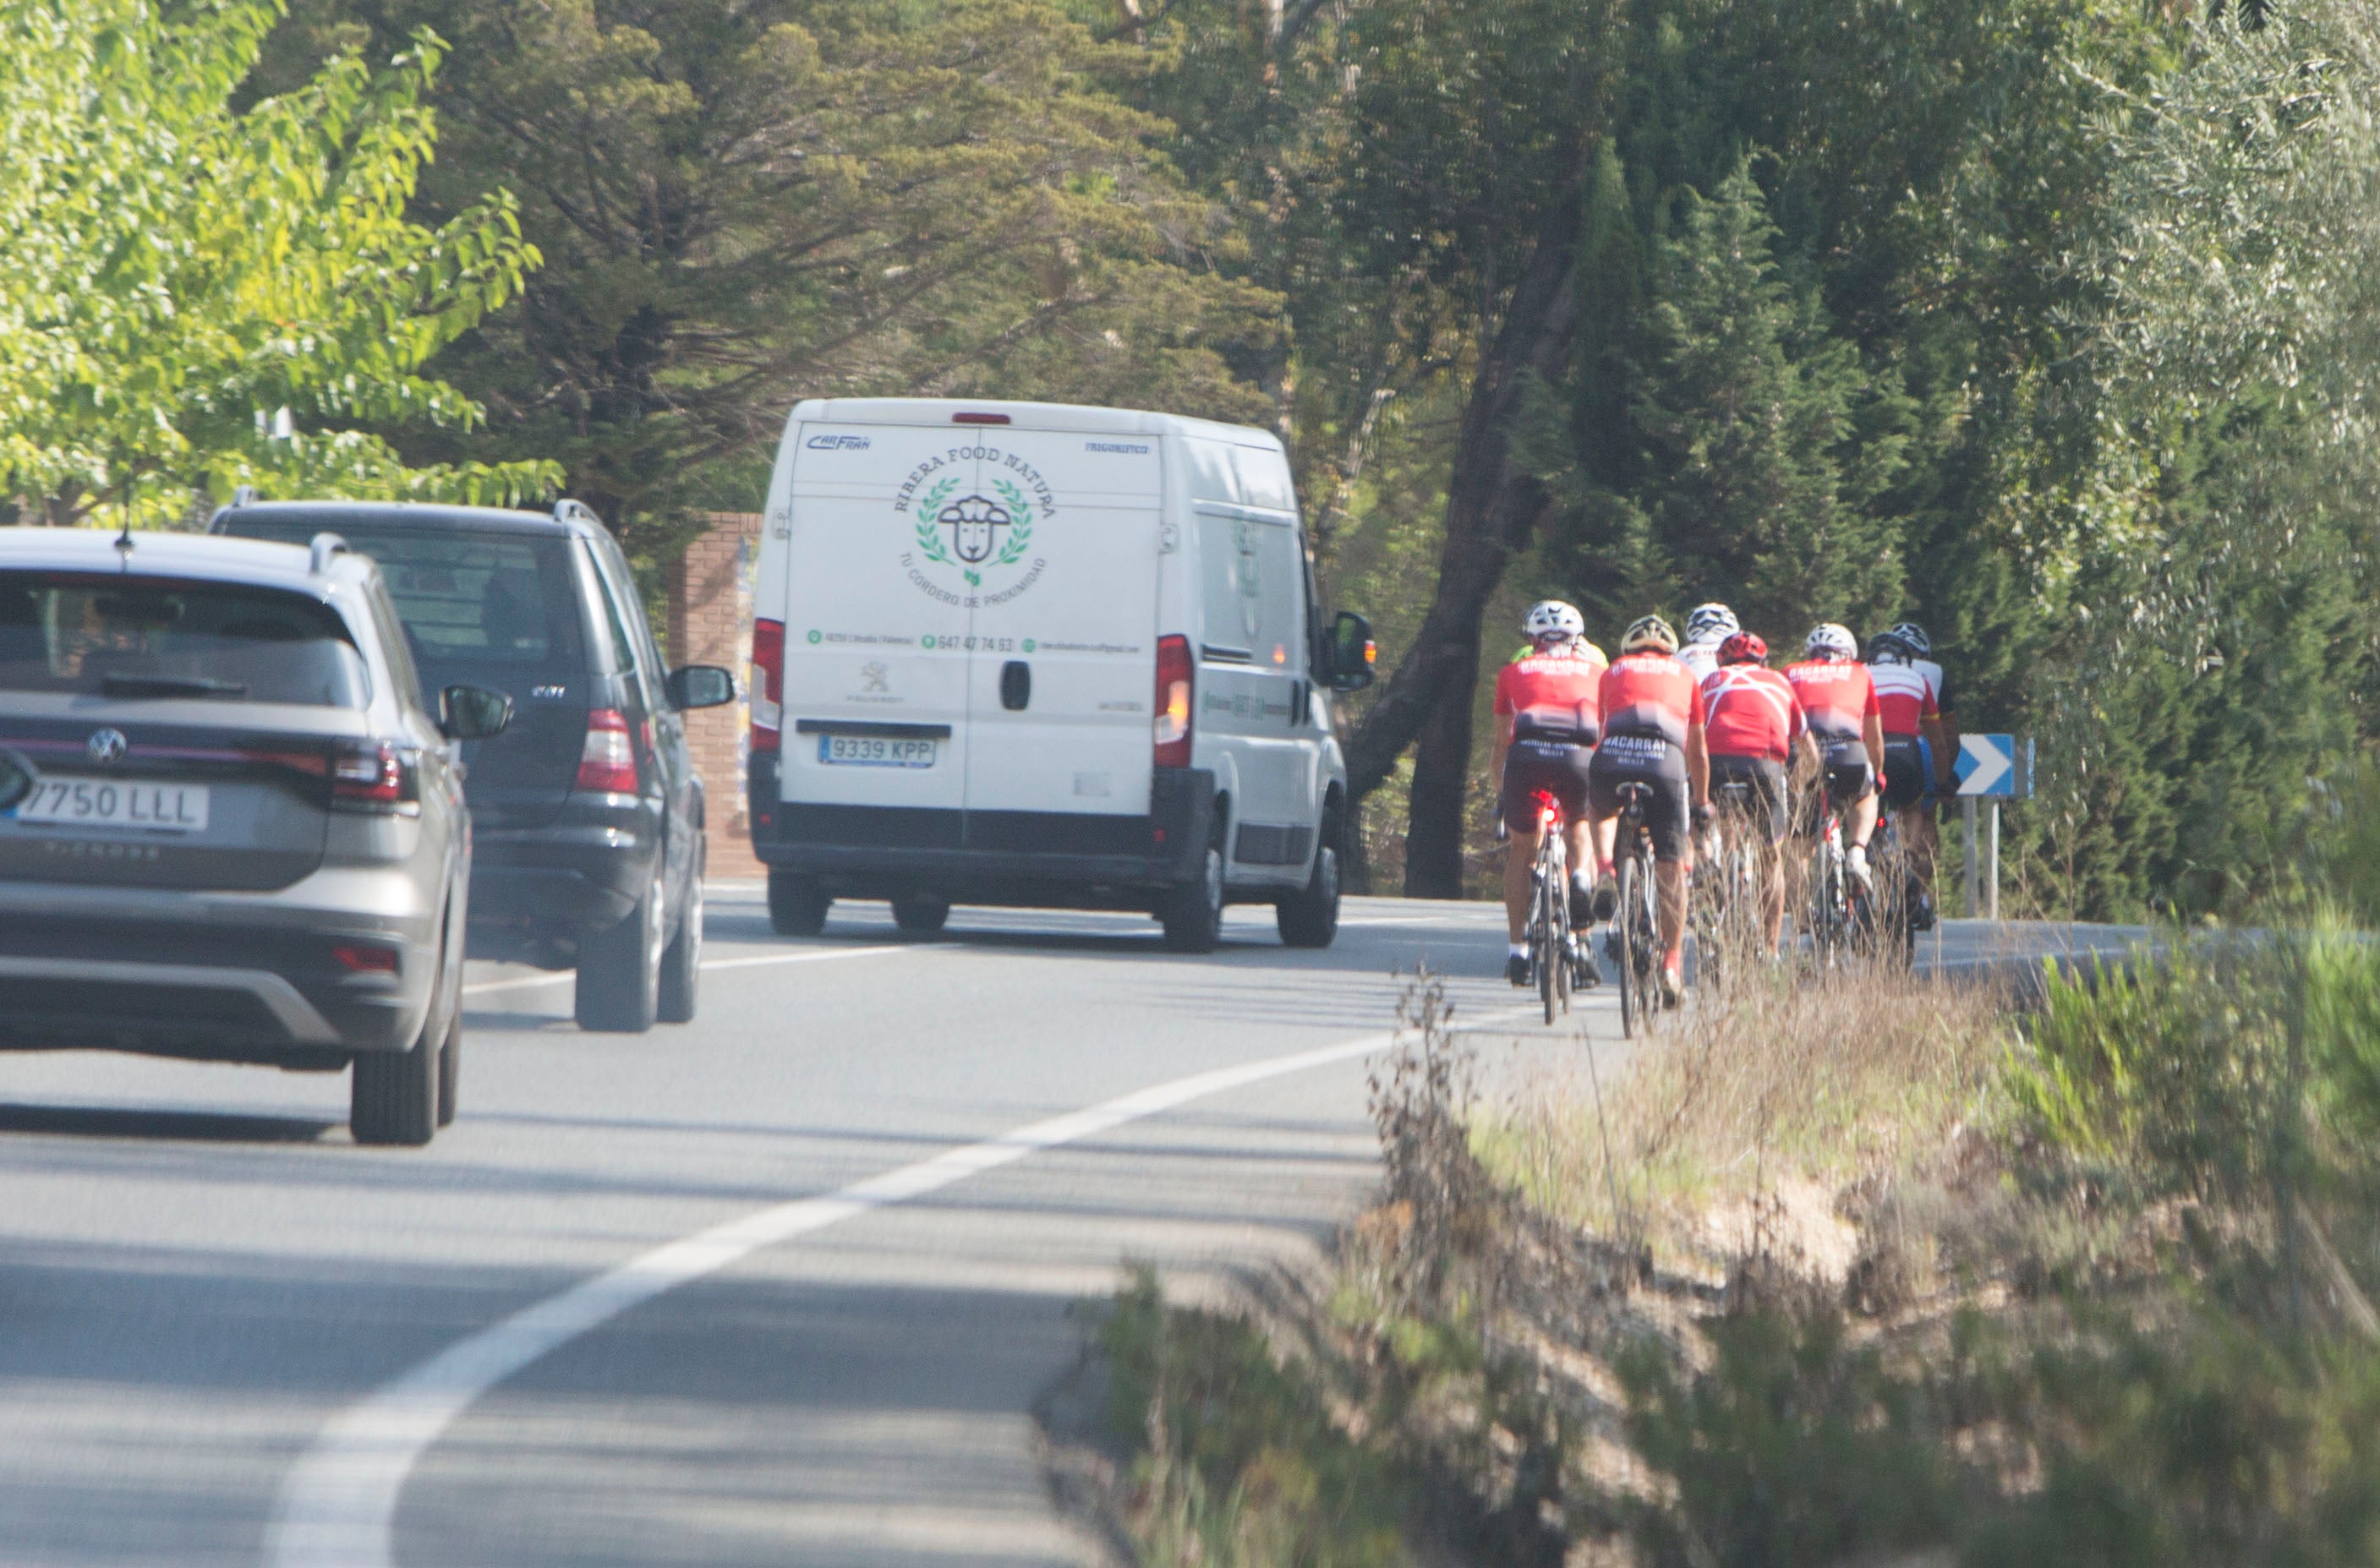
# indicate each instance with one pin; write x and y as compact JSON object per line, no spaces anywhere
{"x":198,"y":293}
{"x":742,"y":204}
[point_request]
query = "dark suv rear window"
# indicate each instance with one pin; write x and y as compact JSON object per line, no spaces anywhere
{"x":491,"y":602}
{"x":108,"y":636}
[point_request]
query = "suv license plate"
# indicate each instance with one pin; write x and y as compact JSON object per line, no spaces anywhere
{"x":115,"y":802}
{"x":870,"y":751}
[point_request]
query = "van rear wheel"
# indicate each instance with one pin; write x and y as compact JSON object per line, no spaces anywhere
{"x":1193,"y":913}
{"x":797,"y":905}
{"x":1309,"y":917}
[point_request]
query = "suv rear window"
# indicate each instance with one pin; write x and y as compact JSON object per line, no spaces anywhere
{"x":118,"y":636}
{"x":481,"y":600}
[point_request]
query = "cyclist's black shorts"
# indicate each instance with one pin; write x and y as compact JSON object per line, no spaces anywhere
{"x":1558,"y":769}
{"x":1904,"y":772}
{"x":1766,"y":779}
{"x":1850,"y":780}
{"x":1638,"y":759}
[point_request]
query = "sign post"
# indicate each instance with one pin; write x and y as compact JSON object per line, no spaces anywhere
{"x":1991,"y":769}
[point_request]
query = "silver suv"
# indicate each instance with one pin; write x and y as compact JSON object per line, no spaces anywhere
{"x":231,"y":828}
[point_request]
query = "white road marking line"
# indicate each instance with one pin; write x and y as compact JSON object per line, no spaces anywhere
{"x":338,"y":1507}
{"x":808,"y":956}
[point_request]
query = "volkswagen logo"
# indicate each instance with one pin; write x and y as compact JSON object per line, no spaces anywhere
{"x":107,"y":745}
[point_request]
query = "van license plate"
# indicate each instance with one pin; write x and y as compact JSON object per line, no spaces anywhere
{"x":115,"y":802}
{"x":871,"y":751}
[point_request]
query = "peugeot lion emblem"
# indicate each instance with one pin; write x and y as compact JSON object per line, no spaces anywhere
{"x":106,"y":745}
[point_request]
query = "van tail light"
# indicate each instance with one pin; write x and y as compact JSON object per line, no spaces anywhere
{"x":607,"y":765}
{"x":767,"y":684}
{"x":374,"y":776}
{"x":1174,"y":688}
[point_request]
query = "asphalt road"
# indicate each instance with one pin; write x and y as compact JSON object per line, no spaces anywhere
{"x":779,"y":1286}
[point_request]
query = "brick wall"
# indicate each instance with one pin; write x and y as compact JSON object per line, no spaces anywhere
{"x":710,"y":622}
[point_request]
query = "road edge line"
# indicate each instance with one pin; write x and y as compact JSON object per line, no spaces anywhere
{"x":337,"y":1507}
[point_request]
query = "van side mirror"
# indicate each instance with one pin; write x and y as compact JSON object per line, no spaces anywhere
{"x":699,"y":685}
{"x":473,"y":713}
{"x":1352,"y":653}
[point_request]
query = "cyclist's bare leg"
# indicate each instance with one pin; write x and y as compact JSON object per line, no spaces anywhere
{"x":1772,"y":895}
{"x":1520,"y":859}
{"x":1669,"y":877}
{"x":1860,"y":824}
{"x":1607,"y":832}
{"x":1582,"y":846}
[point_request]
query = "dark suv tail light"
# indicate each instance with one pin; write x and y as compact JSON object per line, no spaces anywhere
{"x":767,"y":684}
{"x":607,"y":763}
{"x":1175,"y":687}
{"x":374,"y":776}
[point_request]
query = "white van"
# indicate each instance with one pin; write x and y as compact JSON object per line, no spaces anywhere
{"x":1025,"y":654}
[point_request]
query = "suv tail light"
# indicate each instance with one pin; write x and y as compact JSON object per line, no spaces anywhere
{"x":1174,"y":687}
{"x":374,"y":776}
{"x":607,"y":763}
{"x":767,"y":684}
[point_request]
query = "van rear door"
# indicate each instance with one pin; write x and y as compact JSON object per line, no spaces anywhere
{"x":875,"y":690}
{"x":1054,"y":538}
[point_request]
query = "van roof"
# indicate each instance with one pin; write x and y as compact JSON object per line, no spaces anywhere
{"x":938,"y":411}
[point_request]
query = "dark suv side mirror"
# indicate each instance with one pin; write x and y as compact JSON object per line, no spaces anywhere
{"x":700,"y":685}
{"x":1351,"y":653}
{"x":473,"y":713}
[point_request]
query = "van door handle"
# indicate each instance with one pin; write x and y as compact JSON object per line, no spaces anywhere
{"x":1016,"y":685}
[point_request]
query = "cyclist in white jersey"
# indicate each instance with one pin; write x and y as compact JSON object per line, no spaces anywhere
{"x":1706,"y":628}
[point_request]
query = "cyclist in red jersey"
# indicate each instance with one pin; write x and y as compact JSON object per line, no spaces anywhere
{"x":1838,"y":703}
{"x":1913,"y":739}
{"x":1652,"y":735}
{"x":1752,"y":725}
{"x":1547,"y":715}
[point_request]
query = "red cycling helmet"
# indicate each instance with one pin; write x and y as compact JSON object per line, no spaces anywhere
{"x":1744,"y":647}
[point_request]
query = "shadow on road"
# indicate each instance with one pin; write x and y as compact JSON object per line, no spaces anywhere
{"x":188,"y":1126}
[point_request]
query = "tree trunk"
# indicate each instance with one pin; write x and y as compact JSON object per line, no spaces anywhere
{"x":1491,"y":509}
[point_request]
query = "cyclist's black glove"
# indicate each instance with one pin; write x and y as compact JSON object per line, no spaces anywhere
{"x":1701,"y":815}
{"x":1503,"y":829}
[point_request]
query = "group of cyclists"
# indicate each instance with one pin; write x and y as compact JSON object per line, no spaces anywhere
{"x":1681,"y":718}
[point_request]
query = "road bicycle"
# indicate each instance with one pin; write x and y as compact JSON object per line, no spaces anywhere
{"x":1893,"y":925}
{"x":1551,"y":967}
{"x":1728,"y":900}
{"x":1838,"y":906}
{"x":1634,"y":944}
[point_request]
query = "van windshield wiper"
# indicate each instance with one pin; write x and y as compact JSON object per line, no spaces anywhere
{"x":171,"y":686}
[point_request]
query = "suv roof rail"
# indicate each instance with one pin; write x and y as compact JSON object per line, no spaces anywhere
{"x":568,"y":511}
{"x":325,"y":547}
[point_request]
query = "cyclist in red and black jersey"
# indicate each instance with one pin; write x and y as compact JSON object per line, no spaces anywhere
{"x":1838,"y":703}
{"x":1652,"y":735}
{"x":1913,"y":743}
{"x":1547,"y":709}
{"x":1753,"y":724}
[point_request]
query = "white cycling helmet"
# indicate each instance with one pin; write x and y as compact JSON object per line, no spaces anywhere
{"x":1648,"y":631}
{"x":1832,"y":641}
{"x":1711,"y":623}
{"x":1914,"y":636}
{"x":1551,"y":617}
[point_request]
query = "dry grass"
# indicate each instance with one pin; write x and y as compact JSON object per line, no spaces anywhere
{"x":1751,"y":1109}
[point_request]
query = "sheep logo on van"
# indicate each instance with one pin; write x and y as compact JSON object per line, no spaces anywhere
{"x":974,"y":532}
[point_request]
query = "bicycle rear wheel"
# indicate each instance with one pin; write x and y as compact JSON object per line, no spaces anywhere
{"x":1645,"y":911}
{"x":1632,"y":982}
{"x":1545,"y":955}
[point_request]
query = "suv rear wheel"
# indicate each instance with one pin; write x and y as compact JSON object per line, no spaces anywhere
{"x":620,"y":971}
{"x":682,"y":965}
{"x":394,"y":1097}
{"x":797,"y":905}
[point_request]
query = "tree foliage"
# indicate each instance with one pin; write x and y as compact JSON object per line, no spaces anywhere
{"x":198,"y":293}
